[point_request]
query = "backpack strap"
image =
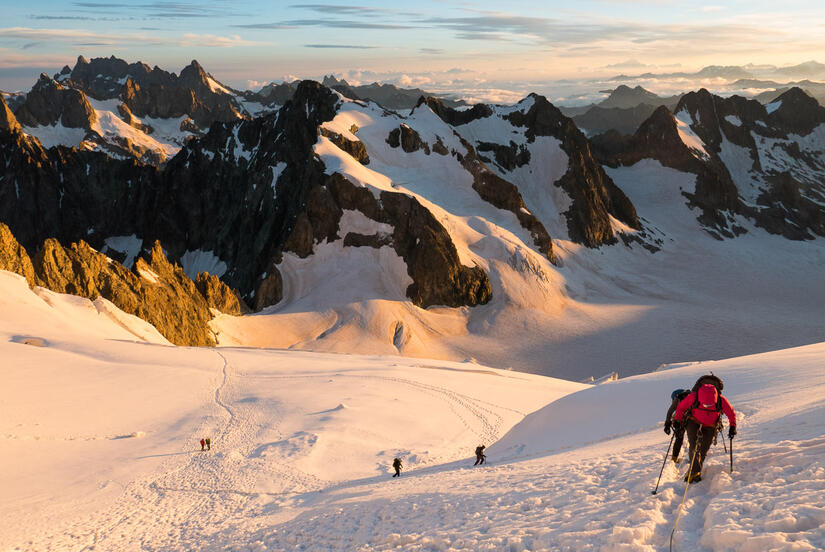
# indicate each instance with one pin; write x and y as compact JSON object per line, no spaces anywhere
{"x":696,"y":405}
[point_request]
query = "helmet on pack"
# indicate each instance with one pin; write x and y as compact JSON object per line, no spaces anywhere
{"x":676,"y":394}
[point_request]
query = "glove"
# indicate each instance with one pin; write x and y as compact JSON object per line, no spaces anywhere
{"x":667,"y":427}
{"x":677,"y":426}
{"x":731,"y":432}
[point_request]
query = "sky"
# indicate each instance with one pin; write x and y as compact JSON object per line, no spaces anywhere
{"x":482,"y":46}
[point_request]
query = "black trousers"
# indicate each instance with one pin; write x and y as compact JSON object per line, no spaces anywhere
{"x":479,"y":459}
{"x":678,"y":439}
{"x":702,"y":437}
{"x":397,"y":472}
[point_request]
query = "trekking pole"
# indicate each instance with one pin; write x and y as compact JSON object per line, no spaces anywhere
{"x":723,"y":441}
{"x":689,"y":477}
{"x":731,"y":454}
{"x":664,"y":462}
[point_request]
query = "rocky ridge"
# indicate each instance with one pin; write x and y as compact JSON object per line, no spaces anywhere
{"x":780,"y":187}
{"x":264,"y":181}
{"x":155,"y":290}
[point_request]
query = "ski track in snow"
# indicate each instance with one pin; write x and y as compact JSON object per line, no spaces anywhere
{"x":192,"y":500}
{"x":595,"y":498}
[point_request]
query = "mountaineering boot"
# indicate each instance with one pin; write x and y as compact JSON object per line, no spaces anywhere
{"x":696,"y":477}
{"x":676,"y":459}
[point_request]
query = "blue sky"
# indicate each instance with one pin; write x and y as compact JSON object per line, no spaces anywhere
{"x":427,"y":42}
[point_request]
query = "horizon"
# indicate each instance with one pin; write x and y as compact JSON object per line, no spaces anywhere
{"x":478,"y":52}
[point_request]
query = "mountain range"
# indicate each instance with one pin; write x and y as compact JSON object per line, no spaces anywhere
{"x":805,"y":70}
{"x":436,"y":231}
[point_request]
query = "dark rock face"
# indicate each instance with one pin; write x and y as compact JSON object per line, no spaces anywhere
{"x":49,"y":102}
{"x":624,"y":97}
{"x":798,"y":113}
{"x":273,"y":94}
{"x":502,"y":194}
{"x":452,"y":116}
{"x":411,"y":141}
{"x":153,"y":92}
{"x":387,"y":96}
{"x":432,"y":260}
{"x":221,"y":194}
{"x":355,"y":148}
{"x":784,"y":205}
{"x":408,"y":139}
{"x":787,"y":209}
{"x":507,"y":157}
{"x":624,"y":120}
{"x":595,"y":196}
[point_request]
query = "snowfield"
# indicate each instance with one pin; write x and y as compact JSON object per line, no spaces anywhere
{"x":100,"y":422}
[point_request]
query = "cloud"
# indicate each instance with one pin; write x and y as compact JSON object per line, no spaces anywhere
{"x":345,"y":46}
{"x":431,"y":51}
{"x":160,"y":9}
{"x":31,"y":45}
{"x":83,"y":37}
{"x":329,"y":23}
{"x":272,"y":26}
{"x":408,"y":81}
{"x":212,"y":41}
{"x":349,"y":10}
{"x":562,"y":35}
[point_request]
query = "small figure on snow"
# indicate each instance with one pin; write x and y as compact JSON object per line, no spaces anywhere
{"x":203,"y":443}
{"x":678,"y":434}
{"x":397,"y":465}
{"x":699,"y":413}
{"x":480,"y":457}
{"x":208,"y":443}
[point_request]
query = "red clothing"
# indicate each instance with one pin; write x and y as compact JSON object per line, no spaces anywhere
{"x":705,"y":417}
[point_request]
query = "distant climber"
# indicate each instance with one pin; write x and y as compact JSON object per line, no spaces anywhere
{"x":678,"y":436}
{"x":699,"y":413}
{"x":203,"y":443}
{"x":480,"y":457}
{"x":397,"y":465}
{"x":208,"y":443}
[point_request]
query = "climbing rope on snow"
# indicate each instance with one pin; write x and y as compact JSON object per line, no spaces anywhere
{"x":696,"y":446}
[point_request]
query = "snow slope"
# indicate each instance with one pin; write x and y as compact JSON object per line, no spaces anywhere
{"x":99,"y":432}
{"x":101,"y":428}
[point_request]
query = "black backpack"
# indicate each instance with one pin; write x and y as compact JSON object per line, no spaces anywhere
{"x":711,"y":379}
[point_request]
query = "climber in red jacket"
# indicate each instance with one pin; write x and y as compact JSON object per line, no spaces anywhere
{"x":700,"y":413}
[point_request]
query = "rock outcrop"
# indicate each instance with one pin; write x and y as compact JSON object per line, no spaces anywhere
{"x":408,"y":139}
{"x":155,"y":290}
{"x":507,"y":157}
{"x":355,"y":148}
{"x":502,"y":194}
{"x":8,"y":121}
{"x":452,"y":116}
{"x":768,"y":142}
{"x":49,"y":103}
{"x":13,"y":256}
{"x":595,"y":196}
{"x":220,"y":296}
{"x":153,"y":92}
